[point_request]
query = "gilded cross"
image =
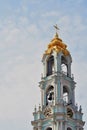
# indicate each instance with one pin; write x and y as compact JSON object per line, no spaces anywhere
{"x":56,"y":27}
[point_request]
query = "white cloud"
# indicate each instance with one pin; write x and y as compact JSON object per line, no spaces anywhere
{"x":18,"y":77}
{"x":51,"y":14}
{"x":17,"y":89}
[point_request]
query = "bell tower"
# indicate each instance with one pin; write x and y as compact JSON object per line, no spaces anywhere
{"x":58,"y":110}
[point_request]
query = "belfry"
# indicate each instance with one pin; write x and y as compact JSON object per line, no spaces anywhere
{"x":58,"y":110}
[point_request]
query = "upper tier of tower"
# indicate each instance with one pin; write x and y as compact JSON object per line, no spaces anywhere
{"x":57,"y":58}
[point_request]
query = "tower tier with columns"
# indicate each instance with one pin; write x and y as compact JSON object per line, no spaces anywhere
{"x":58,"y":110}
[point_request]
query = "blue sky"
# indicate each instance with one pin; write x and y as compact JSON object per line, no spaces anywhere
{"x":26,"y":28}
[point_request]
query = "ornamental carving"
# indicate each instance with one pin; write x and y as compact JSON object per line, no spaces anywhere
{"x":47,"y":111}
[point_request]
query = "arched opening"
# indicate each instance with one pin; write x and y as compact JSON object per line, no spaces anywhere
{"x":50,"y":65}
{"x":49,"y":128}
{"x":65,"y":94}
{"x":69,"y":128}
{"x":50,"y":95}
{"x":69,"y":112}
{"x":80,"y":129}
{"x":64,"y":66}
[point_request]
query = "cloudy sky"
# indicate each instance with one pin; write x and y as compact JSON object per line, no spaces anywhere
{"x":26,"y":28}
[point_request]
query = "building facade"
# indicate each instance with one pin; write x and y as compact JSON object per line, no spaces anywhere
{"x":58,"y":110}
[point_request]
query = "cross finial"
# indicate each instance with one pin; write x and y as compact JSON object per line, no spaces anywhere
{"x":56,"y":27}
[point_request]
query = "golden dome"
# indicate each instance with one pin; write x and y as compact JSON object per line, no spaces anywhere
{"x":57,"y":45}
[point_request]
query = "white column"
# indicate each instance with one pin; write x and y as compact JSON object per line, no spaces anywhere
{"x":55,"y":91}
{"x":44,"y":66}
{"x":77,"y":128}
{"x":42,"y":97}
{"x":57,"y":126}
{"x":61,"y":125}
{"x":53,"y":126}
{"x":39,"y":128}
{"x":55,"y":62}
{"x":65,"y":126}
{"x":61,"y":91}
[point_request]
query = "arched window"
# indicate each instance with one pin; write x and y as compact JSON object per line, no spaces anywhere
{"x":50,"y":65}
{"x":64,"y":69}
{"x":50,"y":95}
{"x":69,"y":128}
{"x":64,"y":66}
{"x":80,"y":129}
{"x":69,"y":113}
{"x":49,"y":128}
{"x":65,"y":94}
